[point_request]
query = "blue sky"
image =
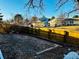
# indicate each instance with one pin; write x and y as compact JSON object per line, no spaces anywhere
{"x":11,"y":7}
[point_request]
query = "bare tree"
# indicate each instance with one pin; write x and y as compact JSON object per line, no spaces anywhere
{"x":35,"y":5}
{"x":63,"y":2}
{"x":60,"y":3}
{"x":40,"y":4}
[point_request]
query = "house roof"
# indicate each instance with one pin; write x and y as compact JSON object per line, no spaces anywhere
{"x":75,"y":19}
{"x":69,"y":19}
{"x":1,"y":15}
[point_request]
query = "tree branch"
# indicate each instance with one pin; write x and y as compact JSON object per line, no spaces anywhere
{"x":62,"y":3}
{"x":72,"y":11}
{"x":59,"y":2}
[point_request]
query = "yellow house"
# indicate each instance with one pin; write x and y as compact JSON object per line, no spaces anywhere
{"x":38,"y":24}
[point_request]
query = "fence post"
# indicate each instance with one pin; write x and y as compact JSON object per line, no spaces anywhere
{"x":32,"y":30}
{"x":39,"y":32}
{"x":49,"y":34}
{"x":27,"y":30}
{"x":66,"y":34}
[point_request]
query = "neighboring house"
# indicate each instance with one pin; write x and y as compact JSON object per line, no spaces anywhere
{"x":76,"y":21}
{"x":71,"y":21}
{"x":26,"y":22}
{"x":52,"y":23}
{"x":38,"y":24}
{"x":45,"y":20}
{"x":68,"y":21}
{"x":55,"y":22}
{"x":63,"y":22}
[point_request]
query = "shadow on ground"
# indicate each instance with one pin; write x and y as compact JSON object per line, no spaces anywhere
{"x":16,"y":46}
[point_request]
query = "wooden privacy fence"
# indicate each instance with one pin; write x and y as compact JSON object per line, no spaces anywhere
{"x":52,"y":34}
{"x":55,"y":35}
